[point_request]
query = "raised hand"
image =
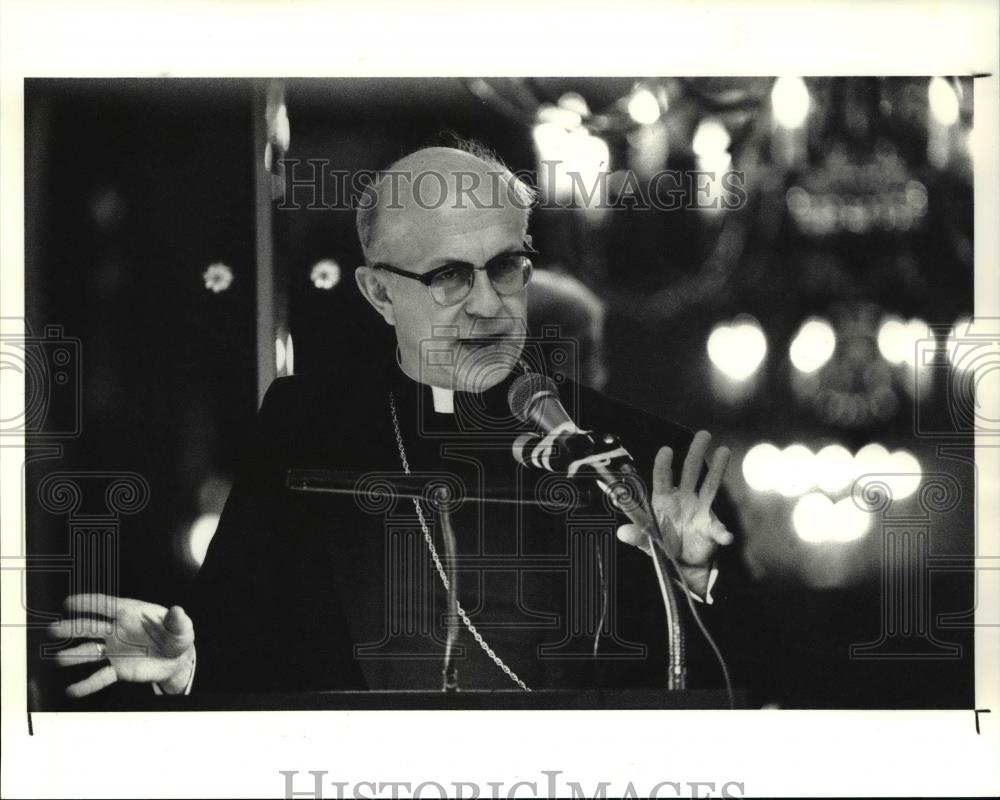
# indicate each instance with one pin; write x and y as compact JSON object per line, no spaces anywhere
{"x":141,"y":642}
{"x":686,"y":520}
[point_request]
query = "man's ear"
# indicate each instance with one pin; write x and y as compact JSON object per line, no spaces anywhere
{"x":528,"y":241}
{"x":374,"y":290}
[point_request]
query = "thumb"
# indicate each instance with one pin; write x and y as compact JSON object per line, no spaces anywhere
{"x":180,"y":631}
{"x":633,"y":535}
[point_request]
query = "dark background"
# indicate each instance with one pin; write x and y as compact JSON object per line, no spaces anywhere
{"x":134,"y":187}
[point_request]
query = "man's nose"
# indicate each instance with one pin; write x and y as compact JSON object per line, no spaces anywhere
{"x":483,"y":300}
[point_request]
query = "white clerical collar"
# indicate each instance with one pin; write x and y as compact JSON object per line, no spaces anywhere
{"x":444,"y":400}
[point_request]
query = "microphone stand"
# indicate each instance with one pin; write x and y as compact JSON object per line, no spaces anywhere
{"x":628,"y":494}
{"x":449,"y":669}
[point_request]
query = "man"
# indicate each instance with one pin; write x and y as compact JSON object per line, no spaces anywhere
{"x":304,"y":592}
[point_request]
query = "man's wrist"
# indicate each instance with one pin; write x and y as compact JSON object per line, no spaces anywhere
{"x":179,"y":681}
{"x":697,"y":579}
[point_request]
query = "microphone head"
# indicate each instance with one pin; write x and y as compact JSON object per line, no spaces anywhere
{"x":534,"y":399}
{"x":525,"y":393}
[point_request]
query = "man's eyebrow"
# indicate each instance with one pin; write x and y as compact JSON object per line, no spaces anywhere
{"x":458,"y":262}
{"x":448,"y":262}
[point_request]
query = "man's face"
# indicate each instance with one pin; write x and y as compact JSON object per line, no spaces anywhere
{"x":444,"y":345}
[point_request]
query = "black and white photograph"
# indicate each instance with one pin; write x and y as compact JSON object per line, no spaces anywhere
{"x":530,"y":403}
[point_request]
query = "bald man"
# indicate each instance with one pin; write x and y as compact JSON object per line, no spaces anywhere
{"x":302,"y":592}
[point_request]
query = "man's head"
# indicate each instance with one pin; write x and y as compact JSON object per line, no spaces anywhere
{"x":437,"y":206}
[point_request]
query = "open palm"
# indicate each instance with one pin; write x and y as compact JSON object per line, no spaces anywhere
{"x":684,"y":513}
{"x":142,"y":642}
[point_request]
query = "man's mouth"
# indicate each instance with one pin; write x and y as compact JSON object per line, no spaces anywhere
{"x":487,"y":340}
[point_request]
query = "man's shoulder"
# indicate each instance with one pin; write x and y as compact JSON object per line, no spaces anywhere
{"x":323,"y":411}
{"x":322,"y":392}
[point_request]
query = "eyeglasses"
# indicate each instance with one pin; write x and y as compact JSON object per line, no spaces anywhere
{"x":451,"y":283}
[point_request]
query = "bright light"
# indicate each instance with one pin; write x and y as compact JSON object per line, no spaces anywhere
{"x":200,"y":536}
{"x":833,"y":468}
{"x":279,"y":355}
{"x":907,"y":474}
{"x":795,"y":474}
{"x":737,"y":350}
{"x":917,"y":330}
{"x":548,"y":136}
{"x":874,"y":464}
{"x":817,"y":519}
{"x":574,"y":159}
{"x":813,"y":345}
{"x":959,"y":344}
{"x":897,"y":340}
{"x":900,"y":471}
{"x":943,"y":101}
{"x":892,"y":340}
{"x":592,"y":152}
{"x":575,"y":102}
{"x":711,"y":139}
{"x":643,"y":108}
{"x":871,"y":459}
{"x":282,"y":128}
{"x":564,"y":118}
{"x":218,"y":277}
{"x":711,"y":146}
{"x":284,"y":354}
{"x":790,"y":102}
{"x":289,"y":356}
{"x":851,"y":522}
{"x":761,"y":466}
{"x":977,"y":144}
{"x":325,"y":274}
{"x":794,"y":471}
{"x":812,"y":518}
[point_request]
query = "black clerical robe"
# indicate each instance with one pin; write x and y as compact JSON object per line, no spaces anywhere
{"x":304,"y":592}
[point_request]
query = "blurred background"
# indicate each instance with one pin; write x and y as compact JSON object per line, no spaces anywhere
{"x":814,"y":326}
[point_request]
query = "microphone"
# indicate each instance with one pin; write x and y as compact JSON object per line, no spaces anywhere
{"x":555,"y":453}
{"x":564,"y":447}
{"x":534,"y":399}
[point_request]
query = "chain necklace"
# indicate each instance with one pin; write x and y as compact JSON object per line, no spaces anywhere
{"x":437,"y":561}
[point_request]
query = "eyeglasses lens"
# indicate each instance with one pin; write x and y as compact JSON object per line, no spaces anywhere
{"x":508,"y":275}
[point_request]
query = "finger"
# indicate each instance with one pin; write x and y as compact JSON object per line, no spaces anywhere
{"x":631,"y":534}
{"x":178,"y":623}
{"x":695,"y":461}
{"x":663,"y":474}
{"x":81,"y":628}
{"x":720,"y":534}
{"x":710,"y":487}
{"x":176,"y":634}
{"x":103,"y":605}
{"x":81,"y":654}
{"x":99,"y":680}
